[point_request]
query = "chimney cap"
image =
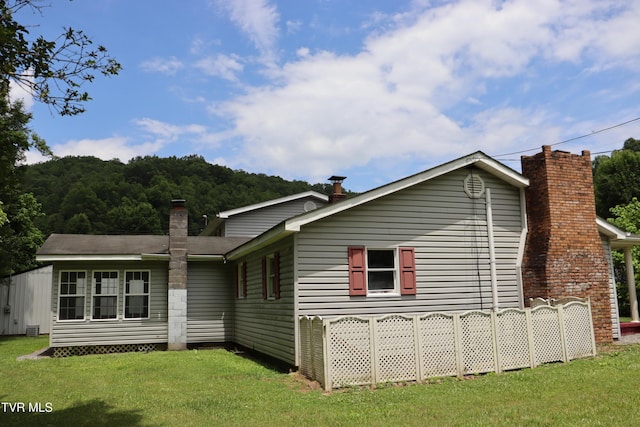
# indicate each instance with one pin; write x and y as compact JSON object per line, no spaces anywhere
{"x":336,"y":178}
{"x":178,"y":203}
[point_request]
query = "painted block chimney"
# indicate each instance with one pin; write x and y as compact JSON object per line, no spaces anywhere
{"x":177,"y":297}
{"x":564,"y":255}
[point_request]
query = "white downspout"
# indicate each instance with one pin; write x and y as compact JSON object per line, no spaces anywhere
{"x":492,"y":252}
{"x":631,"y":283}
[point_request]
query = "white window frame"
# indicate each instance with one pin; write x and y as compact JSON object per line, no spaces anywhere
{"x":82,"y":294}
{"x":95,"y":295}
{"x":241,"y":279}
{"x":136,"y":294}
{"x":271,"y":276}
{"x":395,"y":270}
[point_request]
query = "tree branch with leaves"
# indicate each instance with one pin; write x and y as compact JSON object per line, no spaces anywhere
{"x":53,"y":71}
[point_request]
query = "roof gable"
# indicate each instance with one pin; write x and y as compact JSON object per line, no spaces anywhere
{"x":478,"y":159}
{"x":292,"y":225}
{"x":268,"y":203}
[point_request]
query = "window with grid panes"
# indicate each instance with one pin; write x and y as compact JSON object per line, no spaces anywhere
{"x":136,"y":294}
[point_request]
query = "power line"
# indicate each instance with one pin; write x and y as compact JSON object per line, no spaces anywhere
{"x":574,"y":138}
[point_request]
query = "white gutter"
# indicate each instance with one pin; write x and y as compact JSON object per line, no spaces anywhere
{"x":52,"y":258}
{"x":492,"y":251}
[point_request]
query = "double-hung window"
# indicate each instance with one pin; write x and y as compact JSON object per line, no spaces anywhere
{"x":105,"y":294}
{"x":136,"y":294}
{"x":71,"y":295}
{"x":241,"y":280}
{"x":271,"y":276}
{"x":386,"y":271}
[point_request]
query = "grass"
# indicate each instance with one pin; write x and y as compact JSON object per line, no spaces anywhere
{"x":215,"y":387}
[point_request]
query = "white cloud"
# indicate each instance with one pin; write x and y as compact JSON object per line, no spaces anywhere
{"x":17,"y":92}
{"x":293,"y":26}
{"x":223,"y":66}
{"x":169,"y":66}
{"x":258,"y":20}
{"x":165,"y":133}
{"x":106,"y":149}
{"x":327,"y":112}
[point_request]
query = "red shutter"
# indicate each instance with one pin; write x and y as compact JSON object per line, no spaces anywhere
{"x":276,"y":275}
{"x":244,"y":279}
{"x":264,"y":277}
{"x":357,"y":271}
{"x":407,"y":271}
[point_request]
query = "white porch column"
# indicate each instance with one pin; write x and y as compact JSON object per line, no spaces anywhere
{"x":631,"y":283}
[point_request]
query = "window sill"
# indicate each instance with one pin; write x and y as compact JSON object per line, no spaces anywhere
{"x":383,"y":294}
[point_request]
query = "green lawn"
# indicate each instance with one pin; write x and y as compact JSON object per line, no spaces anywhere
{"x":215,"y":387}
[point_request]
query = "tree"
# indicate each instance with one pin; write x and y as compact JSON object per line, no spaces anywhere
{"x":53,"y":71}
{"x":627,"y":218}
{"x":616,"y":179}
{"x":19,"y":237}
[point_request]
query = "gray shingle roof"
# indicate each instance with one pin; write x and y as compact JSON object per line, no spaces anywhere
{"x":86,"y":244}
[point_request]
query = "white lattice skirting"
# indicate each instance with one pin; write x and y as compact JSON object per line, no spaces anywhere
{"x":101,"y":349}
{"x":353,"y":350}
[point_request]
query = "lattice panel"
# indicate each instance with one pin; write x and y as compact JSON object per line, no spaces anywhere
{"x":350,"y":351}
{"x":318,"y":350}
{"x":477,"y":343}
{"x":306,"y":367}
{"x":579,"y":330}
{"x":437,"y":346}
{"x":546,"y":334}
{"x":102,"y":349}
{"x":513,"y":341}
{"x":395,"y":349}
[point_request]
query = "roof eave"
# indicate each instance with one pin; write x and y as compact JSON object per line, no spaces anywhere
{"x":618,"y":238}
{"x":268,"y":237}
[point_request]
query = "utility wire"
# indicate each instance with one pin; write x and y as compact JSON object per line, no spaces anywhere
{"x":573,"y":139}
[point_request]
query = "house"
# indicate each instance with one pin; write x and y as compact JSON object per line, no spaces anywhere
{"x":255,"y":219}
{"x":468,"y":234}
{"x":25,"y":302}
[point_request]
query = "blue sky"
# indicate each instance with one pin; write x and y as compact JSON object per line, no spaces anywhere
{"x":374,"y":90}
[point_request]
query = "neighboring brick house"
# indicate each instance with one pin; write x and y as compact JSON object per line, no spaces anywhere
{"x":470,"y":234}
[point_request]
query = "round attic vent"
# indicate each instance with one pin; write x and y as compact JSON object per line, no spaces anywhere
{"x":309,"y":206}
{"x":473,"y":186}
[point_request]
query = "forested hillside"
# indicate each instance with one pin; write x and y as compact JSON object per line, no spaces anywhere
{"x":92,"y":196}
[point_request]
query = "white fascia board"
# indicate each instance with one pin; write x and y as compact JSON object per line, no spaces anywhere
{"x":315,"y":194}
{"x":503,"y":172}
{"x":54,"y":258}
{"x":479,"y":159}
{"x":617,"y":237}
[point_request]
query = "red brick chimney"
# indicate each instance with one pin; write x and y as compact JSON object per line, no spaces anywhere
{"x":177,"y":296}
{"x":337,"y":195}
{"x":563,"y":254}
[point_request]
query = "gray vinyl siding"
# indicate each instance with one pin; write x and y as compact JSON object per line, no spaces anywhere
{"x":449,"y":233}
{"x":209,"y":302}
{"x":117,"y":331}
{"x":258,"y":221}
{"x":267,"y":326}
{"x":613,"y":293}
